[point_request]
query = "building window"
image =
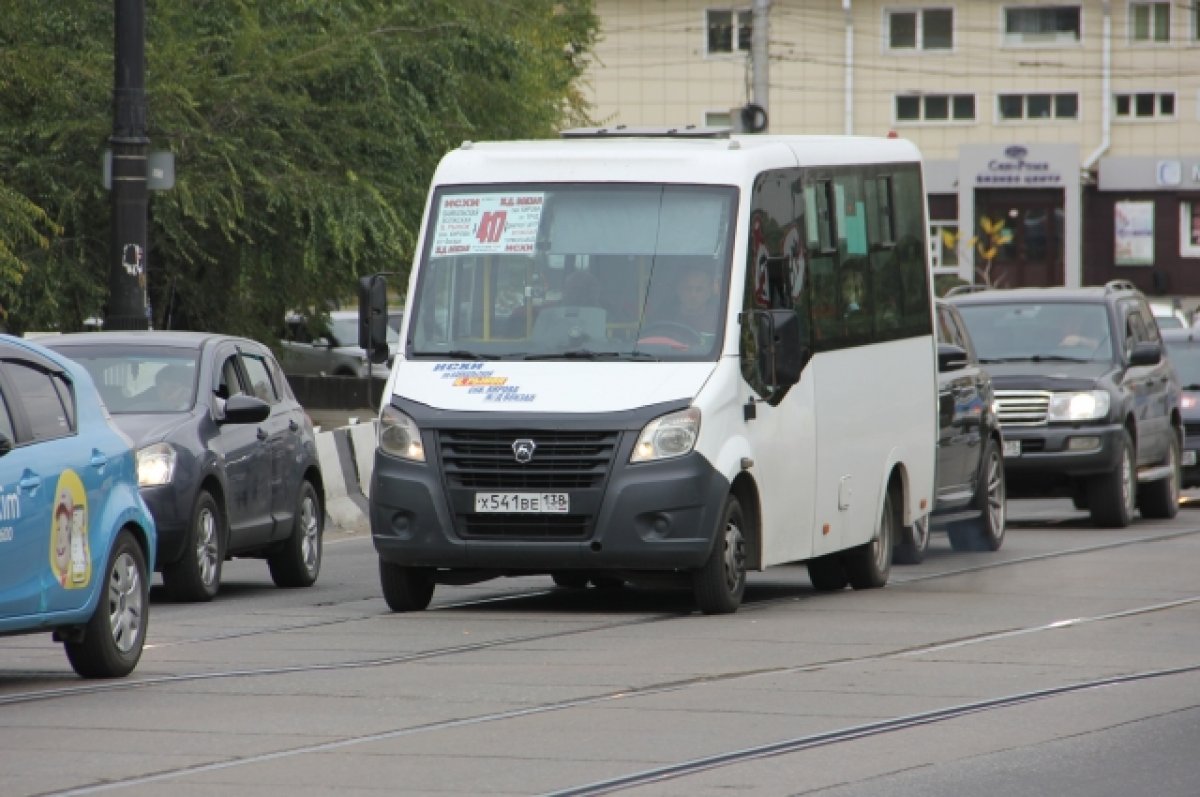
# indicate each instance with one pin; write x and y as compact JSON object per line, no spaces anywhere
{"x":718,"y":119}
{"x":935,"y":107}
{"x":943,"y":252}
{"x":1037,"y":106}
{"x":1150,"y":22}
{"x":728,"y":30}
{"x":1145,"y":105}
{"x":921,"y":29}
{"x":1042,"y":25}
{"x":1189,"y":229}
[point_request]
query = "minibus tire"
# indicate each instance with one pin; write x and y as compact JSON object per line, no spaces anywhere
{"x":718,"y":586}
{"x":406,"y":589}
{"x":827,"y":573}
{"x":868,"y":566}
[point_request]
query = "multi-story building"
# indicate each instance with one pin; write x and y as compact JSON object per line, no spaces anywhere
{"x":1064,"y":137}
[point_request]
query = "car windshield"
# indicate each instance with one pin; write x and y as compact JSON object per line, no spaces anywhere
{"x":595,"y":271}
{"x":1168,"y":321}
{"x":142,"y":379}
{"x":1069,"y":331}
{"x":1185,"y":358}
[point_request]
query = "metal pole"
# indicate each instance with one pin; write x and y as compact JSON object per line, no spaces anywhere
{"x":759,"y":54}
{"x":127,"y":307}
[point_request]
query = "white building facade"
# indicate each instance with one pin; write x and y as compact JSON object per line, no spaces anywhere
{"x":1062,"y":140}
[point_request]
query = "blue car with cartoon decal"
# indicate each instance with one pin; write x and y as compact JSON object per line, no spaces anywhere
{"x":77,"y":541}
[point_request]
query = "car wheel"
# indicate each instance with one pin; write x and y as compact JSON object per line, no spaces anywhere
{"x":868,"y":566}
{"x":986,"y":532}
{"x":569,"y":580}
{"x":197,"y":574}
{"x":718,"y":586}
{"x":914,"y":542}
{"x":1160,"y":499}
{"x":406,"y":589}
{"x":298,"y":562}
{"x":113,"y":638}
{"x":1111,"y":495}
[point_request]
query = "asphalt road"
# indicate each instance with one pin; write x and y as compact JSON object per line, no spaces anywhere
{"x":1066,"y":663}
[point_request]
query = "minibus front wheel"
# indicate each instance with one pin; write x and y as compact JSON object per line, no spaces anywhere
{"x":718,"y":586}
{"x":406,"y":589}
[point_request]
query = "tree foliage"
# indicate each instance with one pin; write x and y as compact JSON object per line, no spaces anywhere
{"x":304,"y":133}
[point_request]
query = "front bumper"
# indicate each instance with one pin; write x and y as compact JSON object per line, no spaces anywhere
{"x":171,"y":509}
{"x":657,"y":516}
{"x":1191,"y":461}
{"x":1051,"y":458}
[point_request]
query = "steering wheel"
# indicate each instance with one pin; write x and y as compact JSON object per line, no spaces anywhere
{"x":671,"y":333}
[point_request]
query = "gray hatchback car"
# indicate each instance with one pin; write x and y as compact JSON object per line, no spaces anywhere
{"x":226,"y":457}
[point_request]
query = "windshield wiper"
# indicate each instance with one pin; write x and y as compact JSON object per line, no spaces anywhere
{"x":1034,"y":358}
{"x":456,"y":354}
{"x":588,"y":354}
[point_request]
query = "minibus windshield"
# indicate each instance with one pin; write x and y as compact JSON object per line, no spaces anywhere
{"x":595,"y":272}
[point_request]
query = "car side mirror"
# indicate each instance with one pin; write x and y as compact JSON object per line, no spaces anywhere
{"x":951,"y":357}
{"x":373,"y":317}
{"x":244,"y":408}
{"x":1145,"y":353}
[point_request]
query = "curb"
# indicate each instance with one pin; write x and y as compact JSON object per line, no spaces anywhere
{"x":347,"y":459}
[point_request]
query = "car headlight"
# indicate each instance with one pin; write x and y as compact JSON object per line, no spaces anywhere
{"x":669,"y":436}
{"x":1089,"y":405}
{"x":400,"y":436}
{"x":156,"y":464}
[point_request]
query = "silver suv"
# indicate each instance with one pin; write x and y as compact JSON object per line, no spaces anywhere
{"x":328,"y":346}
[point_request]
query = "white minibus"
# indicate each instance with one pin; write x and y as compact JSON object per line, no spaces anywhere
{"x":630,"y":359}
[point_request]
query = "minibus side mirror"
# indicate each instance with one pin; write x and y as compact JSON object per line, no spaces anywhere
{"x":372,"y":317}
{"x":781,"y":355}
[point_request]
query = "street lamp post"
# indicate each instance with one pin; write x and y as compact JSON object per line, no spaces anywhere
{"x":127,"y":308}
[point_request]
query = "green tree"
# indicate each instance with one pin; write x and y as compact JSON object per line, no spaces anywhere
{"x":304,"y":132}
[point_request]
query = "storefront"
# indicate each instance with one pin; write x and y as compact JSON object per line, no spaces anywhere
{"x":1143,"y":223}
{"x":1008,"y":215}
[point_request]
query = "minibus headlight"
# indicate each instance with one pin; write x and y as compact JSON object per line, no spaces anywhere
{"x":1087,"y":405}
{"x":668,"y":436}
{"x":156,"y":465}
{"x":399,"y":435}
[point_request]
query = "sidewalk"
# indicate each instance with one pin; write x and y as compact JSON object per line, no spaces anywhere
{"x":329,"y":420}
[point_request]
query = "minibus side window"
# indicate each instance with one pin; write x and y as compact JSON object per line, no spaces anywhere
{"x":775,"y":271}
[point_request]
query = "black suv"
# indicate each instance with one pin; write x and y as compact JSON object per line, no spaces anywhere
{"x":1087,"y":398}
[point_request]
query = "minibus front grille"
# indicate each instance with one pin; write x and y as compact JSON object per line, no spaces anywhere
{"x":560,"y":460}
{"x":524,"y":527}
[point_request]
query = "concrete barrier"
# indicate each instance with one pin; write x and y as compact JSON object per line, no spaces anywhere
{"x":347,"y":457}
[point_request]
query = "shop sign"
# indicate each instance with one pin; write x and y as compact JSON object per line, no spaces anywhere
{"x":1015,"y":167}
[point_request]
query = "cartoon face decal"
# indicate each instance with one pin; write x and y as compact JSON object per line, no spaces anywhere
{"x":70,"y":551}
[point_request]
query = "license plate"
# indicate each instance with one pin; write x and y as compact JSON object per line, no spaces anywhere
{"x":523,"y":503}
{"x":1012,"y":448}
{"x":1189,"y":458}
